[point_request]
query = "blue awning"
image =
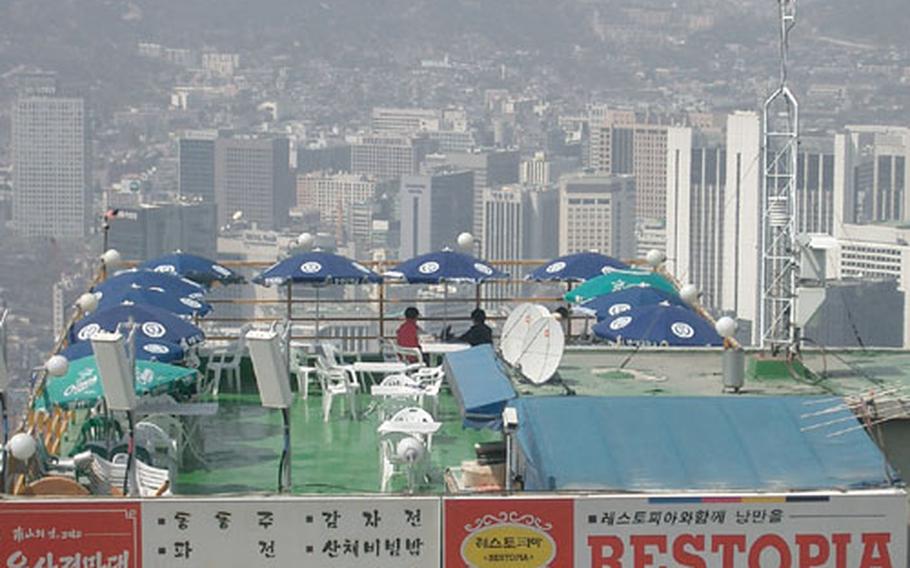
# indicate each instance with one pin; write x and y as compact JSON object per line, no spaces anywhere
{"x":642,"y":444}
{"x":480,"y":385}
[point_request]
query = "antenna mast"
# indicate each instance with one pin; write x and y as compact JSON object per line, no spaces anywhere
{"x":778,"y":223}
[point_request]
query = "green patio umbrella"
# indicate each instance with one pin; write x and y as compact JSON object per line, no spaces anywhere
{"x":618,"y":280}
{"x":82,"y":385}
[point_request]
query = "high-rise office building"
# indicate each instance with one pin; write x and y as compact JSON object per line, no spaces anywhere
{"x":520,"y":222}
{"x":617,"y":147}
{"x":196,"y":164}
{"x":742,"y":221}
{"x":331,"y":158}
{"x":543,"y":169}
{"x":712,"y":215}
{"x":334,"y":196}
{"x":387,"y":120}
{"x":149,"y":230}
{"x":870,"y":252}
{"x":492,"y":169}
{"x":597,"y":212}
{"x":696,"y":184}
{"x":252,"y":175}
{"x":871,"y":174}
{"x":389,"y":157}
{"x":815,"y":185}
{"x":51,"y":175}
{"x":435,"y":209}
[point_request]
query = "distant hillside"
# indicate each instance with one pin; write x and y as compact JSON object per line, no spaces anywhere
{"x":878,"y":22}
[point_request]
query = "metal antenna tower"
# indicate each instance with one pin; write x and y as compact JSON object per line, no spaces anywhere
{"x":781,"y":140}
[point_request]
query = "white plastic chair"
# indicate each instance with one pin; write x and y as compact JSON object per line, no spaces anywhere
{"x":106,"y":476}
{"x":335,"y":382}
{"x":409,"y":354}
{"x":226,"y":364}
{"x":410,"y":422}
{"x":414,"y":421}
{"x":391,"y":464}
{"x":302,"y":372}
{"x":387,"y":350}
{"x":396,"y":392}
{"x":161,"y":447}
{"x":430,"y":380}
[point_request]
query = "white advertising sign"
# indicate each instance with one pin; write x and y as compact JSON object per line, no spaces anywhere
{"x":372,"y":532}
{"x":851,"y":530}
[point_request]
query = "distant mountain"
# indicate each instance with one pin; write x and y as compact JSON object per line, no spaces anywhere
{"x":877,"y":22}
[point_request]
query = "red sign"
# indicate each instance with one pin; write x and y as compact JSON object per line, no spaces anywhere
{"x":502,"y":533}
{"x":104,"y":534}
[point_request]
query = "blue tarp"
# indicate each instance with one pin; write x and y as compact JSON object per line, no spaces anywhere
{"x":642,"y":444}
{"x":480,"y":385}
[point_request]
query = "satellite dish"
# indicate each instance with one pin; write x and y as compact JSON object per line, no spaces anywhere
{"x":516,"y":329}
{"x":542,"y":350}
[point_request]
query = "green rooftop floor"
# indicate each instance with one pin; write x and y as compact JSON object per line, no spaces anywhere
{"x":242,"y":445}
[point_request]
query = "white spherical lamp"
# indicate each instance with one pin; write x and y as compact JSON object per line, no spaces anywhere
{"x":57,"y":366}
{"x":238,"y":215}
{"x":306,"y":240}
{"x":111,"y":258}
{"x":410,"y":449}
{"x":22,"y":446}
{"x":689,"y":293}
{"x":87,"y":302}
{"x":655,"y":258}
{"x":465,"y":241}
{"x":726,"y":327}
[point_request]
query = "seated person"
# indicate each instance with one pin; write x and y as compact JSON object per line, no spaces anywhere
{"x":479,"y":333}
{"x":408,"y":332}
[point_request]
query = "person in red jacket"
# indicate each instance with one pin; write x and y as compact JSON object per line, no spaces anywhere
{"x":407,"y":335}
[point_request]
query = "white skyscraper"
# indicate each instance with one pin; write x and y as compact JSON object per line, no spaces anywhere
{"x":50,"y":166}
{"x":741,"y":219}
{"x":713,"y":214}
{"x":696,"y":183}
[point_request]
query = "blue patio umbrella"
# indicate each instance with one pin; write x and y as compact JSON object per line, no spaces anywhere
{"x":445,"y":266}
{"x":153,"y":323}
{"x":157,"y":281}
{"x":146,"y":350}
{"x":576,"y":267}
{"x":659,"y":325}
{"x":613,"y":304}
{"x":192,"y":267}
{"x":317,"y":268}
{"x":182,"y":306}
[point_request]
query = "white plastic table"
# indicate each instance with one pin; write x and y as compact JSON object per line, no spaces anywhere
{"x":364,"y":368}
{"x":441,"y":348}
{"x":380,"y":366}
{"x":409,"y":427}
{"x":436,"y":349}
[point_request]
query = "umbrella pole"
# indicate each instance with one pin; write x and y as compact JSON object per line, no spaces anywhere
{"x":381,"y":311}
{"x":288,"y":331}
{"x":317,"y":312}
{"x":445,"y":304}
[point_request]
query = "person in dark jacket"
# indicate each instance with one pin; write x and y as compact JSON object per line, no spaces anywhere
{"x":479,"y":333}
